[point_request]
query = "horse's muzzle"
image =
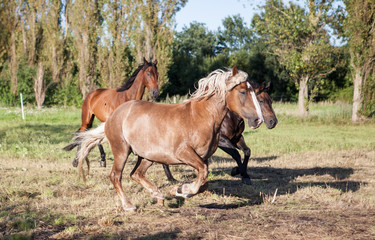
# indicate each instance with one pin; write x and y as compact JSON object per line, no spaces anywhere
{"x":155,"y":93}
{"x":271,"y":123}
{"x":254,"y":124}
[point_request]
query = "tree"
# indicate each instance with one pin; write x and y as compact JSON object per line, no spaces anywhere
{"x":85,"y":21}
{"x":153,"y":35}
{"x":194,"y":50}
{"x":360,"y":31}
{"x":10,"y":30}
{"x":235,"y":36}
{"x":114,"y":52}
{"x":300,"y":42}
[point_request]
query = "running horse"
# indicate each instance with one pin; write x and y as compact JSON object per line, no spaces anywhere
{"x":231,"y":130}
{"x":185,"y":133}
{"x":100,"y":103}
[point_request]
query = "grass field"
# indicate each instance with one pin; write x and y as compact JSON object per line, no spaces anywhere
{"x":312,"y":179}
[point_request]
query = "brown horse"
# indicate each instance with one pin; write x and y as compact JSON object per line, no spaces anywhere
{"x":100,"y":103}
{"x":185,"y":133}
{"x":231,"y":131}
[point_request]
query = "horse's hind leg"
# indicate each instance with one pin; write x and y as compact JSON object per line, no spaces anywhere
{"x":138,"y":175}
{"x":102,"y":156}
{"x":168,"y":173}
{"x":120,"y":154}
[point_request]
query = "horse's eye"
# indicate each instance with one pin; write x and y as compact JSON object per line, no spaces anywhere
{"x":148,"y":74}
{"x":243,"y":92}
{"x":261,"y":101}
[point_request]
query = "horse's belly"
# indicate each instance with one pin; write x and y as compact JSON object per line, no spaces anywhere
{"x":155,"y":153}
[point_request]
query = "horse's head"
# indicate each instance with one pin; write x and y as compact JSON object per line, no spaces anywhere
{"x":241,"y":99}
{"x":150,"y":78}
{"x":265,"y":102}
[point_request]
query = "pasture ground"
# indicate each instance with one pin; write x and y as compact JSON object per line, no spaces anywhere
{"x":312,"y":179}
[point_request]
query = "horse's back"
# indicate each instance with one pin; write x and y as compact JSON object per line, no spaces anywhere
{"x":153,"y":130}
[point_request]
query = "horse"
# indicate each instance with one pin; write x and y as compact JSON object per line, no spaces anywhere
{"x":185,"y":133}
{"x":100,"y":103}
{"x":231,"y":130}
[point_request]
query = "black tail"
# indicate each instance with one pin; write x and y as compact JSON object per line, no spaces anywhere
{"x":73,"y":145}
{"x":70,"y":146}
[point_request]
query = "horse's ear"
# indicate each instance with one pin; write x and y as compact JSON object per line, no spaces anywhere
{"x":156,"y":62}
{"x":268,"y":87}
{"x":261,"y":87}
{"x":145,"y":61}
{"x":234,"y":71}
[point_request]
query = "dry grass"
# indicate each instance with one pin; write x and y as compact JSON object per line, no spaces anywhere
{"x":321,"y":194}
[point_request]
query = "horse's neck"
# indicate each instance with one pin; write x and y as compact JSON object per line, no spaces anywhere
{"x":136,"y":91}
{"x":216,"y":109}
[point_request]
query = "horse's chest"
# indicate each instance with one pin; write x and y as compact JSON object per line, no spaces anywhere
{"x":207,"y":145}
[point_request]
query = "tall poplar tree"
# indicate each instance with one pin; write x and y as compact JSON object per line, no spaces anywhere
{"x":85,"y":21}
{"x":153,"y":36}
{"x":360,"y":30}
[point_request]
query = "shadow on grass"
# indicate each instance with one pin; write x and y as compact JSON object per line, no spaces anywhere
{"x":267,"y":179}
{"x":30,"y":223}
{"x":260,"y":159}
{"x":127,"y":235}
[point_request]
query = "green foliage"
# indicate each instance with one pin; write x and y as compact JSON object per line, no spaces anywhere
{"x":6,"y":97}
{"x":235,"y":36}
{"x":194,"y":56}
{"x":369,"y":97}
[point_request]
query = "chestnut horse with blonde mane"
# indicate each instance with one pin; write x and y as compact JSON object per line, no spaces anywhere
{"x":101,"y":102}
{"x":185,"y":133}
{"x":231,"y":130}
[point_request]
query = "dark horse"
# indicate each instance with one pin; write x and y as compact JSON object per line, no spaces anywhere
{"x":185,"y":133}
{"x":231,"y":133}
{"x":101,"y":102}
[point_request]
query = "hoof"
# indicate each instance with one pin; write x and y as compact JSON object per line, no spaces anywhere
{"x":130,"y":209}
{"x":235,"y":171}
{"x":160,"y":201}
{"x":172,"y":180}
{"x":203,"y":188}
{"x":103,"y":164}
{"x":75,"y":162}
{"x":177,"y":191}
{"x":247,"y":181}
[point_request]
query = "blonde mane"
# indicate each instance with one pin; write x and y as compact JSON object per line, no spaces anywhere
{"x":216,"y":83}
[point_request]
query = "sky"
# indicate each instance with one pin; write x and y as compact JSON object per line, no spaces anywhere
{"x":212,"y":12}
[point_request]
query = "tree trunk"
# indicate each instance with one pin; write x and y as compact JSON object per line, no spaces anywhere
{"x":13,"y":65}
{"x":39,"y":90}
{"x":303,"y":109}
{"x":83,"y":65}
{"x":357,"y":96}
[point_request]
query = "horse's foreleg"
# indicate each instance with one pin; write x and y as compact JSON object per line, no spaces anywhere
{"x":120,"y":154}
{"x":189,"y":157}
{"x":168,"y":173}
{"x":241,"y":144}
{"x":102,"y":156}
{"x":227,"y":146}
{"x":138,"y":175}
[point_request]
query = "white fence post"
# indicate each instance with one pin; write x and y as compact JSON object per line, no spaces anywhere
{"x":23,"y":114}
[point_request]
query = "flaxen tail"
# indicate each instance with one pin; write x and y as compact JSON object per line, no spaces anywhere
{"x":88,"y":140}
